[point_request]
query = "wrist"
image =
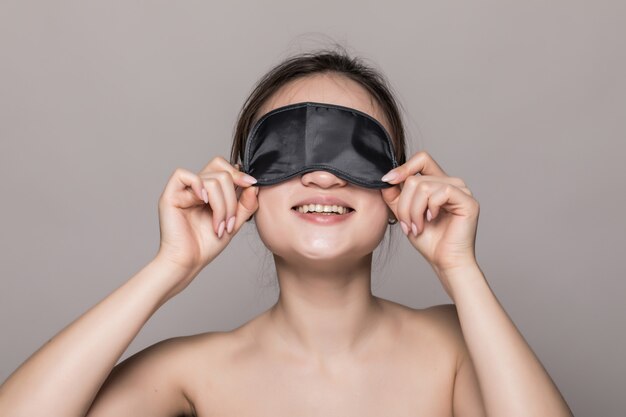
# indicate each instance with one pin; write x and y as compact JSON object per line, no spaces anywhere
{"x":174,"y":268}
{"x":457,"y":279}
{"x":166,"y":278}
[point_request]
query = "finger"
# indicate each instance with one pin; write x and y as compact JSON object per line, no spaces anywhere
{"x":413,"y":201}
{"x":246,"y":207}
{"x":230,"y":199}
{"x":220,"y":164}
{"x":434,"y":178}
{"x":420,"y":204}
{"x":426,"y":185}
{"x":455,"y":201}
{"x":216,"y":202}
{"x":466,"y":191}
{"x":391,"y":196}
{"x":184,"y":189}
{"x":420,"y":162}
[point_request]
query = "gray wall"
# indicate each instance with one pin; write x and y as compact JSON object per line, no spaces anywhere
{"x":101,"y":101}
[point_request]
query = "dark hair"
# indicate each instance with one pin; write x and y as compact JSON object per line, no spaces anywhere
{"x":310,"y":63}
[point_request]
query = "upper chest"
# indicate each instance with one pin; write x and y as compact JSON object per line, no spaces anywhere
{"x":405,"y":377}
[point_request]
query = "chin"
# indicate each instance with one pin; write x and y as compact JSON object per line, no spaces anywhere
{"x":320,"y":249}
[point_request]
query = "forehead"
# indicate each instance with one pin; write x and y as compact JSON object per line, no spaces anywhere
{"x":326,"y":88}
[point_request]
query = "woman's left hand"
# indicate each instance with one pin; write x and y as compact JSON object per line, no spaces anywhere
{"x":447,"y":239}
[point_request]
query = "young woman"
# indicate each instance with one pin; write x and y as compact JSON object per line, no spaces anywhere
{"x":328,"y":347}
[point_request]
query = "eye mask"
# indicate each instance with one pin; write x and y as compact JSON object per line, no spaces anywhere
{"x":308,"y":136}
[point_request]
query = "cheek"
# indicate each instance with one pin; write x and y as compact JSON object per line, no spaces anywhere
{"x":378,"y":218}
{"x":271,"y":219}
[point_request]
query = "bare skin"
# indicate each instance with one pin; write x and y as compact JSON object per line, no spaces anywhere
{"x":407,"y":368}
{"x":328,"y":346}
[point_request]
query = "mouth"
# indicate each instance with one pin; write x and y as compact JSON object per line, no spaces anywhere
{"x":323,"y":215}
{"x":323,"y":210}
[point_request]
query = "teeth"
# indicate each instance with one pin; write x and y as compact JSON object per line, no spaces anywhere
{"x":320,"y":208}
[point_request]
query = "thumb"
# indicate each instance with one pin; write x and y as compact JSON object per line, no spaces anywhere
{"x":391,"y":196}
{"x":246,"y":207}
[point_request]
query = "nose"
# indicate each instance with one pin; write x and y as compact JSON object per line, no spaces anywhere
{"x":322,"y":179}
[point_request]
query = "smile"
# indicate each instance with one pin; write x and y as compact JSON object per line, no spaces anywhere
{"x":321,"y":217}
{"x":323,"y":209}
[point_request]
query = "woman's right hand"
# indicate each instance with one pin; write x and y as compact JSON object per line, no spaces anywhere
{"x":194,"y":232}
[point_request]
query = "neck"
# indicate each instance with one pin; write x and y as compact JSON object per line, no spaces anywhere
{"x":325,"y":310}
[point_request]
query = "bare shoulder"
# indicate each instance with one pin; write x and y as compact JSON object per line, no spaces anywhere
{"x":438,"y":325}
{"x":153,"y":381}
{"x":445,"y":317}
{"x":205,"y":358}
{"x":167,"y":377}
{"x":442,"y":317}
{"x":195,"y":355}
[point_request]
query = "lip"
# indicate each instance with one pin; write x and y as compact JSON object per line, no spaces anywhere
{"x":323,"y":219}
{"x":324,"y":200}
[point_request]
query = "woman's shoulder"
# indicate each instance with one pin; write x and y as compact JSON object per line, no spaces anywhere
{"x":197,"y":359}
{"x":202,"y":348}
{"x":437,"y":315}
{"x":442,"y":317}
{"x":436,"y":325}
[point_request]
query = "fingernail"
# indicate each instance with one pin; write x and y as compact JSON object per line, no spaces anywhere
{"x":220,"y":229}
{"x":231,"y":223}
{"x":414,"y":228}
{"x":405,"y":228}
{"x":247,"y":178}
{"x":205,"y":196}
{"x":390,"y":176}
{"x":429,"y":216}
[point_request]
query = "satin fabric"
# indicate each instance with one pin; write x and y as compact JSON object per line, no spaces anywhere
{"x":310,"y":136}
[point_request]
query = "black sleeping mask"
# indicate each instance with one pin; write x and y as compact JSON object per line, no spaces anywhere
{"x":308,"y":136}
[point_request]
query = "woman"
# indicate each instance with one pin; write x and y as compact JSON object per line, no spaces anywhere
{"x":328,"y":346}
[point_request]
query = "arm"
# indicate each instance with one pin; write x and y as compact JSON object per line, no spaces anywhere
{"x":150,"y":383}
{"x":511,"y":378}
{"x":63,"y":377}
{"x":444,"y":218}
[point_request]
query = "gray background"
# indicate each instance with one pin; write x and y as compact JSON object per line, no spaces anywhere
{"x":101,"y":101}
